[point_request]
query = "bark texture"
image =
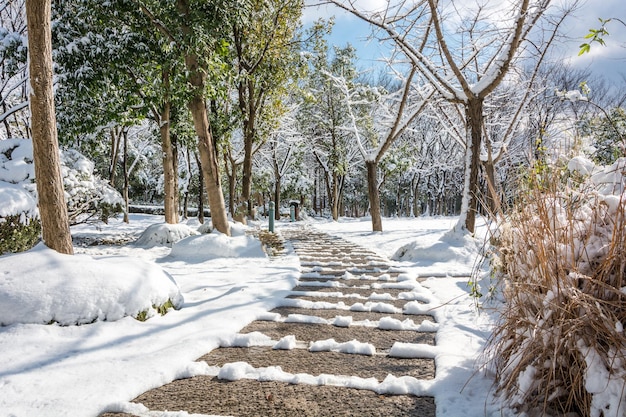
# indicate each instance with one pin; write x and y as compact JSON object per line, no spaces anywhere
{"x":474,"y":114}
{"x":374,"y":196}
{"x":52,"y":207}
{"x":169,"y":168}
{"x":206,"y":146}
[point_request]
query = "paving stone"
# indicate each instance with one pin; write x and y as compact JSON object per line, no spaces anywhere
{"x":330,"y":313}
{"x":297,"y":361}
{"x":250,"y":398}
{"x":348,"y":300}
{"x":363,"y":292}
{"x":324,"y":260}
{"x":306,"y":332}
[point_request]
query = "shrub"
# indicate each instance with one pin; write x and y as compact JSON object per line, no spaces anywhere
{"x":18,"y":234}
{"x":560,"y":345}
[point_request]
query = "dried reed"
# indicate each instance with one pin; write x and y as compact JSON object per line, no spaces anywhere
{"x":563,"y":262}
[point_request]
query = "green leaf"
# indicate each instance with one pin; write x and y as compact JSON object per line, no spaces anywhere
{"x":584,"y":48}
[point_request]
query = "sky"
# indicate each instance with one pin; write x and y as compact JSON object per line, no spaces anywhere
{"x":608,"y":61}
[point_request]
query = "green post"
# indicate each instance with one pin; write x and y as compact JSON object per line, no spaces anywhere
{"x":271,"y":214}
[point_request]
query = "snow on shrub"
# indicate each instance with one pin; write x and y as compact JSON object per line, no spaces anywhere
{"x":217,"y":245}
{"x":164,"y":234}
{"x":19,"y":217}
{"x":87,"y":195}
{"x":560,"y":346}
{"x":42,"y":286}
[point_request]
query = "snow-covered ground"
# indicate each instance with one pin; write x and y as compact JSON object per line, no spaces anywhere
{"x":221,"y":284}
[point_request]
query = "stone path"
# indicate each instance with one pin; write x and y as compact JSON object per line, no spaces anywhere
{"x":343,"y":292}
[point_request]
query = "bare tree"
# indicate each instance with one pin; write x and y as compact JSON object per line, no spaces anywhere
{"x":14,"y":114}
{"x":52,"y":207}
{"x":465,"y":64}
{"x":392,"y":113}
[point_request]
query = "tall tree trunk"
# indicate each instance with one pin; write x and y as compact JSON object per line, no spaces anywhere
{"x":206,"y":145}
{"x":52,"y":207}
{"x":335,"y":197}
{"x":315,"y":206}
{"x":170,"y":185}
{"x":374,"y":195}
{"x":116,"y":135}
{"x":206,"y":149}
{"x":126,"y":182}
{"x":232,"y":184}
{"x":474,"y":114}
{"x":188,"y":186}
{"x":277,"y":198}
{"x":200,"y":189}
{"x":246,"y":178}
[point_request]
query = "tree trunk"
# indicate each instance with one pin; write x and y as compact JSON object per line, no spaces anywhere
{"x":115,"y":150}
{"x":200,"y":189}
{"x":186,"y":195}
{"x":169,"y":165}
{"x":126,"y":182}
{"x":374,"y":195}
{"x":315,"y":210}
{"x":232,"y":186}
{"x":277,"y":198}
{"x":207,"y":151}
{"x":206,"y":146}
{"x":246,"y":178}
{"x":335,"y":197}
{"x":474,"y":114}
{"x":52,"y":207}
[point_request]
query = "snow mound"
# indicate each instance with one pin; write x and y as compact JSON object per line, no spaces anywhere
{"x":16,"y":200}
{"x":164,"y":234}
{"x":43,"y":286}
{"x":459,"y":247}
{"x":216,"y":245}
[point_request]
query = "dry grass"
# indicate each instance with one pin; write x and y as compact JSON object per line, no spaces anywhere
{"x":563,"y":261}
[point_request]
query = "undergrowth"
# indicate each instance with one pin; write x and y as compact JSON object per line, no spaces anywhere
{"x":560,"y":346}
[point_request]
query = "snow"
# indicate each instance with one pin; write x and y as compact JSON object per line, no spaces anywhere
{"x":163,"y":234}
{"x":224,"y":284}
{"x":412,"y":350}
{"x":52,"y":370}
{"x":286,"y":343}
{"x":353,"y":347}
{"x":72,"y":290}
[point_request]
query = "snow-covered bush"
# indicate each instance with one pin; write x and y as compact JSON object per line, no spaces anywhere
{"x":88,"y":196}
{"x":163,"y":234}
{"x":19,"y":217}
{"x":560,"y":347}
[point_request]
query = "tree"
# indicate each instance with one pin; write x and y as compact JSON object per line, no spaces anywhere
{"x":117,"y":73}
{"x":266,"y":52}
{"x":323,"y":118}
{"x":464,"y":65}
{"x":52,"y":208}
{"x":14,"y":115}
{"x":197,"y":66}
{"x":391,"y":113}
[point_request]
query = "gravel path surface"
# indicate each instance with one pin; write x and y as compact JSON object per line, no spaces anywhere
{"x":338,"y":279}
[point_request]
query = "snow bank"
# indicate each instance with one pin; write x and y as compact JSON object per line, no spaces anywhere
{"x":43,"y":286}
{"x":16,"y":200}
{"x":164,"y":234}
{"x":455,"y":246}
{"x":216,"y":245}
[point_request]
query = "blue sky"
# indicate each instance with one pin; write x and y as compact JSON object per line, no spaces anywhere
{"x":608,"y":61}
